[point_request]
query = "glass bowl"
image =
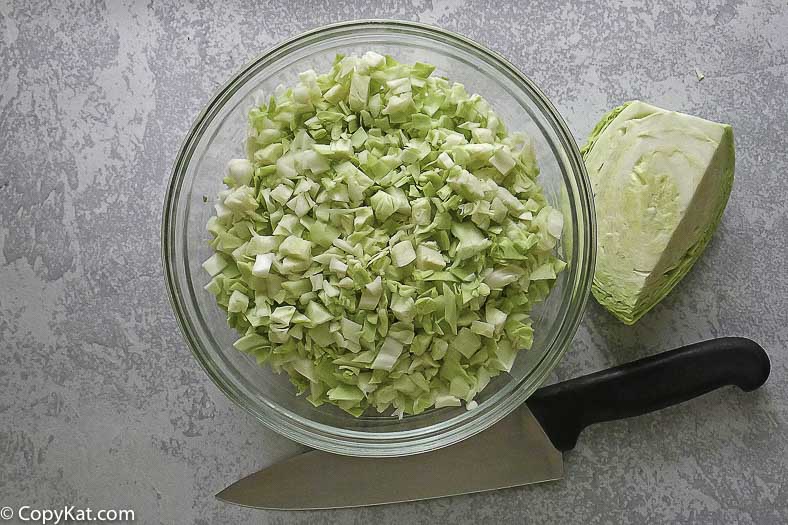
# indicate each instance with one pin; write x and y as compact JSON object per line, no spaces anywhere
{"x":218,"y":134}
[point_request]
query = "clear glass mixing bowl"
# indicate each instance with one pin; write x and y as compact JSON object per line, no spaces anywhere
{"x":218,"y":134}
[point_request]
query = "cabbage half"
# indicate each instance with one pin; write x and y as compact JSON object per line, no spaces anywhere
{"x":661,"y":181}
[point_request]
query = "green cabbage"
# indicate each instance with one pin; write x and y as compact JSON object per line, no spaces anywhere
{"x":661,"y":181}
{"x":384,"y":241}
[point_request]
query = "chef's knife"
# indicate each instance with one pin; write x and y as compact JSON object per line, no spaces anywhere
{"x":523,"y":448}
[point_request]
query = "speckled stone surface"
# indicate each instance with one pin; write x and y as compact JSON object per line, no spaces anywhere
{"x":101,"y":403}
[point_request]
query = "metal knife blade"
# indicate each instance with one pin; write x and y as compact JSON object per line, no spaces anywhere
{"x":513,"y":452}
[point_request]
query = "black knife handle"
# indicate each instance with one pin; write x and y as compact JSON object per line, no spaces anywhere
{"x":649,"y":384}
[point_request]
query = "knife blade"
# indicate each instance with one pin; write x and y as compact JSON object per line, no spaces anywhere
{"x":513,"y":452}
{"x":524,"y":448}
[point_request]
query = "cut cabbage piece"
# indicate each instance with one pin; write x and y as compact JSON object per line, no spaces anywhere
{"x":661,"y":180}
{"x":240,"y":171}
{"x":238,"y":302}
{"x":403,"y":254}
{"x":262,"y":264}
{"x":388,"y":354}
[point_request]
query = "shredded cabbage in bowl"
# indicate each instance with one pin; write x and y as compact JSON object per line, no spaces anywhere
{"x":384,"y":240}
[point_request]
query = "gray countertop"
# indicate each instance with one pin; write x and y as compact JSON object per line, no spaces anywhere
{"x":101,"y":403}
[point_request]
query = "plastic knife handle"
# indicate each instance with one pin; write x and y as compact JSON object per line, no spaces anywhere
{"x":666,"y":379}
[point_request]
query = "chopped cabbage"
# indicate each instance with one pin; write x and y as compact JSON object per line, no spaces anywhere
{"x":384,"y":240}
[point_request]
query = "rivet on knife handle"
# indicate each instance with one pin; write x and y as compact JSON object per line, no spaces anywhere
{"x":646,"y":385}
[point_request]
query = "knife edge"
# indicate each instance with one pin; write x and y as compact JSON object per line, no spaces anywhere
{"x":514,"y":452}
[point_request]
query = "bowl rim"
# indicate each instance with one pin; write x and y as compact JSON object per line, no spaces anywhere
{"x":384,"y":444}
